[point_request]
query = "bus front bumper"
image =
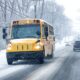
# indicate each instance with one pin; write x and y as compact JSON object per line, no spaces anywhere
{"x":25,"y":55}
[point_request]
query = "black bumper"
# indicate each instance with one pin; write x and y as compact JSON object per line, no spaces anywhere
{"x":25,"y":55}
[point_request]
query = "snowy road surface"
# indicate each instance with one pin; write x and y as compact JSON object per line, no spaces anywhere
{"x":64,"y":66}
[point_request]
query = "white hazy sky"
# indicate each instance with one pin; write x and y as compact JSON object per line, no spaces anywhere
{"x":72,"y":7}
{"x":72,"y":10}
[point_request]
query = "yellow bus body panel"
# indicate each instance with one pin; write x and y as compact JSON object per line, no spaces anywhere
{"x":21,"y":45}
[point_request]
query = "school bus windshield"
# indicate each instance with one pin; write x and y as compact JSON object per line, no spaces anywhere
{"x":25,"y":31}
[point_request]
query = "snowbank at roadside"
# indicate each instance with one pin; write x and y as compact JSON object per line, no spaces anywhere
{"x":59,"y":45}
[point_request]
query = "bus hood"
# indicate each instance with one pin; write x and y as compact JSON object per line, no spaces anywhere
{"x":17,"y":45}
{"x":30,"y":40}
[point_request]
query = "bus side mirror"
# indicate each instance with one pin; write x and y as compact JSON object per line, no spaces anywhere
{"x":38,"y":33}
{"x":4,"y":33}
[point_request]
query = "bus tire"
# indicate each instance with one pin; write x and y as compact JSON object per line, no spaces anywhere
{"x":9,"y":61}
{"x":41,"y":60}
{"x":52,"y":54}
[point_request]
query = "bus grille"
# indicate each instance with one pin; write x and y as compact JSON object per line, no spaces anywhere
{"x":26,"y":47}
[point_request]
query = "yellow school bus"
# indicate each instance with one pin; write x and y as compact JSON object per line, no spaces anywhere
{"x":30,"y":39}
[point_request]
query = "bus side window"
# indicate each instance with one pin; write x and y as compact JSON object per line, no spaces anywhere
{"x":44,"y":30}
{"x":51,"y":30}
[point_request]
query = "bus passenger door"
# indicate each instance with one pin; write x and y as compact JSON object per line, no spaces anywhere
{"x":47,"y":42}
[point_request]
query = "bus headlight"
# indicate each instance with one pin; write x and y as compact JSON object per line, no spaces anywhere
{"x":38,"y":46}
{"x":9,"y":46}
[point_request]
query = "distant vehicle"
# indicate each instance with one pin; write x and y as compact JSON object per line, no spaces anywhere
{"x":76,"y":46}
{"x":67,"y":44}
{"x":30,"y":39}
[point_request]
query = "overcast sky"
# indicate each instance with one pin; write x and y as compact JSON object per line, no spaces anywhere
{"x":72,"y":10}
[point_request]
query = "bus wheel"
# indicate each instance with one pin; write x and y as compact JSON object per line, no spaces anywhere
{"x":9,"y":61}
{"x":50,"y":56}
{"x":52,"y":53}
{"x":41,"y":60}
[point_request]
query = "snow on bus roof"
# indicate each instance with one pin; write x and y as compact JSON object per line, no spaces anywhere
{"x":30,"y":19}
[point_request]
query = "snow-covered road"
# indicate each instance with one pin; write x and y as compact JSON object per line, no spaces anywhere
{"x":23,"y":70}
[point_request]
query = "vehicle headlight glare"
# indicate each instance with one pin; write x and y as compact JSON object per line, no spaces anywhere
{"x":9,"y":46}
{"x":38,"y":46}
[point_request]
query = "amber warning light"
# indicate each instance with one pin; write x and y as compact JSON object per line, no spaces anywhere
{"x":26,"y":22}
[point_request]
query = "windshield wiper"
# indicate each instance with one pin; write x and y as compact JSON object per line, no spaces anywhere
{"x":31,"y":37}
